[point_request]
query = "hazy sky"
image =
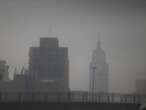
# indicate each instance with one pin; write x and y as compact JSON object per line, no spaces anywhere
{"x":122,"y":24}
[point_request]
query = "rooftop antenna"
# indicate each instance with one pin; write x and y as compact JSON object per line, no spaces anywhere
{"x":50,"y":31}
{"x":99,"y":40}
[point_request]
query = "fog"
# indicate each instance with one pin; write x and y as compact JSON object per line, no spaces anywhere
{"x":76,"y":23}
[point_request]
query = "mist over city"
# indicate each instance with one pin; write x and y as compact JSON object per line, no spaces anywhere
{"x":77,"y":24}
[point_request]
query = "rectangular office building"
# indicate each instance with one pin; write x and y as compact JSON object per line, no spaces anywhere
{"x":49,"y":62}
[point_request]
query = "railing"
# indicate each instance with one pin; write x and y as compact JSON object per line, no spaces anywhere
{"x":84,"y":97}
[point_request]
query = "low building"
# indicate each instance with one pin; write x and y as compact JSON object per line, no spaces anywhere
{"x":27,"y":90}
{"x":4,"y":71}
{"x":141,"y":87}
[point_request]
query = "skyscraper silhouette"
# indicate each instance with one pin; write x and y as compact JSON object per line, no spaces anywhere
{"x":98,"y":70}
{"x":49,"y":62}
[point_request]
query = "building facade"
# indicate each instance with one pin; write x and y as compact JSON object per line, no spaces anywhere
{"x":141,"y":87}
{"x":49,"y":62}
{"x":98,"y":71}
{"x":4,"y":71}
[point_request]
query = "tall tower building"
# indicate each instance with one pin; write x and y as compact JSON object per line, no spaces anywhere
{"x":98,"y":71}
{"x":49,"y":62}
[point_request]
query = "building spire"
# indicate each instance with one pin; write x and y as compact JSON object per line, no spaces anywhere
{"x":99,"y":42}
{"x":50,"y":31}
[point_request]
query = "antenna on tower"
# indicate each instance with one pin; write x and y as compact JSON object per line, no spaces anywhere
{"x":99,"y":39}
{"x":50,"y":31}
{"x":99,"y":35}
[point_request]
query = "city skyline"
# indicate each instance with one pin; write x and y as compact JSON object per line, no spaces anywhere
{"x":76,"y":23}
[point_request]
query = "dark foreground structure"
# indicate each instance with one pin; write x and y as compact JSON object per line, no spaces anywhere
{"x":70,"y":101}
{"x":67,"y":106}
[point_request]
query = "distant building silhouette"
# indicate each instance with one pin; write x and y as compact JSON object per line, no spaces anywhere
{"x":4,"y":71}
{"x":49,"y":62}
{"x":48,"y":73}
{"x":98,"y":71}
{"x":141,"y":87}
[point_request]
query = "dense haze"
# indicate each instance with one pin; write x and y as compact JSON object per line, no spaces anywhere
{"x":122,"y":24}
